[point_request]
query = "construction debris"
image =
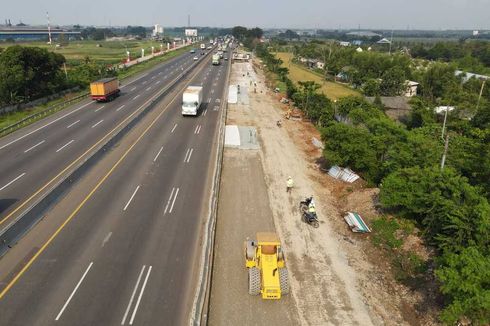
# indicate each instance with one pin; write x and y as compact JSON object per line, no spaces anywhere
{"x":356,"y":223}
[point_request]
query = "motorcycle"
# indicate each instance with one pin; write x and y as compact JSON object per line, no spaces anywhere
{"x":306,"y":216}
{"x":279,"y":123}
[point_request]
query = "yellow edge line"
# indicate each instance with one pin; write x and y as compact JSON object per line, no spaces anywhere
{"x":53,"y":236}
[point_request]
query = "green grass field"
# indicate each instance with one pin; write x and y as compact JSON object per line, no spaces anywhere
{"x":298,"y":73}
{"x":108,"y":52}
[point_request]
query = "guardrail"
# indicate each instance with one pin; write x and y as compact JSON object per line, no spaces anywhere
{"x":40,"y":114}
{"x":11,"y":234}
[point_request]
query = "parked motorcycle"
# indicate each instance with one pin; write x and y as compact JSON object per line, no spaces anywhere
{"x":308,"y":217}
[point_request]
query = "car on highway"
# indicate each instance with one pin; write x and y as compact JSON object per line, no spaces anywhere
{"x":196,"y":58}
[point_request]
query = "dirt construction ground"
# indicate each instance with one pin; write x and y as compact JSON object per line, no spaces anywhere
{"x":332,"y":282}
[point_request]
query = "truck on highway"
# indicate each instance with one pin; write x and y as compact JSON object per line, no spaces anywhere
{"x":105,"y":89}
{"x":191,"y":100}
{"x":215,"y":60}
{"x":203,"y":46}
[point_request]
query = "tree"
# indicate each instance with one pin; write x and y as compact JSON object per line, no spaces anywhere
{"x":136,"y":30}
{"x":255,"y":33}
{"x":289,"y":34}
{"x":420,"y":115}
{"x":239,"y":32}
{"x":436,"y":80}
{"x":371,"y":87}
{"x":349,"y":146}
{"x":482,"y":117}
{"x":307,"y":89}
{"x":452,"y":212}
{"x":393,"y":82}
{"x":28,"y":72}
{"x":465,"y":278}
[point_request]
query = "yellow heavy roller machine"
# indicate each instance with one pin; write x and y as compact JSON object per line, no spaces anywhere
{"x":267,"y":273}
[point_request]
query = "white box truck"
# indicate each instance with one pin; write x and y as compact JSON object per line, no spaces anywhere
{"x":191,"y":100}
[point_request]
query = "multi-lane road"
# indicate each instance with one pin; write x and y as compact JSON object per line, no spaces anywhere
{"x":127,"y":253}
{"x":32,"y":158}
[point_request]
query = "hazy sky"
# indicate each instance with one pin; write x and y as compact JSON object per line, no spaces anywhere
{"x":397,"y":14}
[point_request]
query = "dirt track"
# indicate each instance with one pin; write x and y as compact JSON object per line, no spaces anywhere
{"x":331,"y":282}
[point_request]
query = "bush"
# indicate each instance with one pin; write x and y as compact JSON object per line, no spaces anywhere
{"x":384,"y":233}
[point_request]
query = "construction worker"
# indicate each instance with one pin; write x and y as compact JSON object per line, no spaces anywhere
{"x":311,"y":208}
{"x":289,"y":184}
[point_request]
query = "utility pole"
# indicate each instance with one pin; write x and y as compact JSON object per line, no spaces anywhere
{"x":481,"y":92}
{"x":443,"y":160}
{"x":49,"y":28}
{"x":444,"y":124}
{"x":391,"y":41}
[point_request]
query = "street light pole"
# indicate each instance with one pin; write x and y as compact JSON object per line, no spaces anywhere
{"x":443,"y":160}
{"x":481,"y":92}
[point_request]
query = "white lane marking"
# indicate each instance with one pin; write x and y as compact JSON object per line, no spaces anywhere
{"x":95,"y":125}
{"x":198,"y":129}
{"x":160,"y":73}
{"x":140,"y":296}
{"x":188,"y":155}
{"x":30,"y":148}
{"x":158,"y":154}
{"x":210,"y":100}
{"x":204,"y":113}
{"x":100,"y":108}
{"x":169,"y":200}
{"x":119,"y":108}
{"x":134,"y":80}
{"x":153,"y":77}
{"x":173,"y":129}
{"x":132,"y":89}
{"x":74,"y":291}
{"x":59,"y":149}
{"x":134,"y":98}
{"x":42,"y":127}
{"x":132,"y":295}
{"x":148,"y":88}
{"x":132,"y":196}
{"x":212,"y":91}
{"x":106,"y":239}
{"x":8,"y":184}
{"x":173,"y":202}
{"x":158,"y":82}
{"x":145,"y":82}
{"x":74,"y":123}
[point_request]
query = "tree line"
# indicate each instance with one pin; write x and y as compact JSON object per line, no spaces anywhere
{"x":27,"y":73}
{"x":450,"y":205}
{"x":379,"y":74}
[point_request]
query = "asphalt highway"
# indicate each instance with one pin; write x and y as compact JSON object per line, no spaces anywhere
{"x":128,"y":253}
{"x":32,"y":158}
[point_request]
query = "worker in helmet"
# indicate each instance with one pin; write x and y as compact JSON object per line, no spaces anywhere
{"x":289,"y":184}
{"x":311,"y":210}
